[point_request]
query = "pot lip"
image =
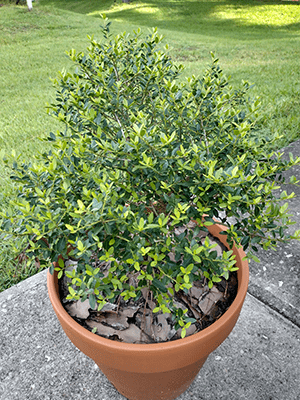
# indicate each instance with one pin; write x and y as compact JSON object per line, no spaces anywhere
{"x":217,"y":326}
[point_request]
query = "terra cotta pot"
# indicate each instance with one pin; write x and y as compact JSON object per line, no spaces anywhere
{"x":156,"y":371}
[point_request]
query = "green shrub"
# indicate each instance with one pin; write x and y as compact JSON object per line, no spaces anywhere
{"x":141,"y":155}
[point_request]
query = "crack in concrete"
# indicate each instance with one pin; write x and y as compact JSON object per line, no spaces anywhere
{"x":288,"y":311}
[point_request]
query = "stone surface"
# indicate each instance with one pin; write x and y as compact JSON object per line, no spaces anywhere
{"x":258,"y":361}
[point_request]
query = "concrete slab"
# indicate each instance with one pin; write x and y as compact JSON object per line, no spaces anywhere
{"x":276,"y":279}
{"x":258,"y":361}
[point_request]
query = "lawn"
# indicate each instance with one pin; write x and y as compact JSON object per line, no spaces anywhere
{"x":255,"y":40}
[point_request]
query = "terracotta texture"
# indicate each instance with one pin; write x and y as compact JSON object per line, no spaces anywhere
{"x":159,"y":371}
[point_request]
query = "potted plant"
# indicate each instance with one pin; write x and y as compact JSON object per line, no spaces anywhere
{"x":144,"y":155}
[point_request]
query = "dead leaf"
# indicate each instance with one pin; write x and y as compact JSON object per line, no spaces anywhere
{"x":131,"y":335}
{"x":133,"y":280}
{"x":179,"y":230}
{"x":172,"y":256}
{"x":191,"y":225}
{"x":130,"y":311}
{"x":172,"y":333}
{"x":207,"y":303}
{"x":178,"y":304}
{"x":79,"y":309}
{"x":109,"y":307}
{"x":162,"y":329}
{"x":117,"y":321}
{"x":187,"y":301}
{"x":146,"y":325}
{"x":102,"y":330}
{"x":197,"y":292}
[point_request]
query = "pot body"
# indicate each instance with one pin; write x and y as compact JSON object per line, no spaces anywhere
{"x":158,"y":371}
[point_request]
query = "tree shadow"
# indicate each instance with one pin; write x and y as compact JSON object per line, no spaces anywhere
{"x":189,"y":16}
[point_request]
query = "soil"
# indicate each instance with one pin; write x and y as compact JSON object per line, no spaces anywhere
{"x":134,"y":322}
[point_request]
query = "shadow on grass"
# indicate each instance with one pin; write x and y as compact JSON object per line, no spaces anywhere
{"x":212,"y":18}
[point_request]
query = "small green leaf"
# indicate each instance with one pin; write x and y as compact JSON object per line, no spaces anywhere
{"x":70,"y":227}
{"x":92,"y":301}
{"x":171,"y":291}
{"x":197,"y":258}
{"x":254,"y":258}
{"x":234,"y":171}
{"x":80,"y":204}
{"x":80,"y":245}
{"x":183,"y":333}
{"x":284,"y":208}
{"x":150,"y":218}
{"x":137,"y":266}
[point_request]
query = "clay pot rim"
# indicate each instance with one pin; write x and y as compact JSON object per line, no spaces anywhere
{"x":217,"y":326}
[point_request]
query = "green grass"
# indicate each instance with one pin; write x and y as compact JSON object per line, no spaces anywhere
{"x":255,"y":40}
